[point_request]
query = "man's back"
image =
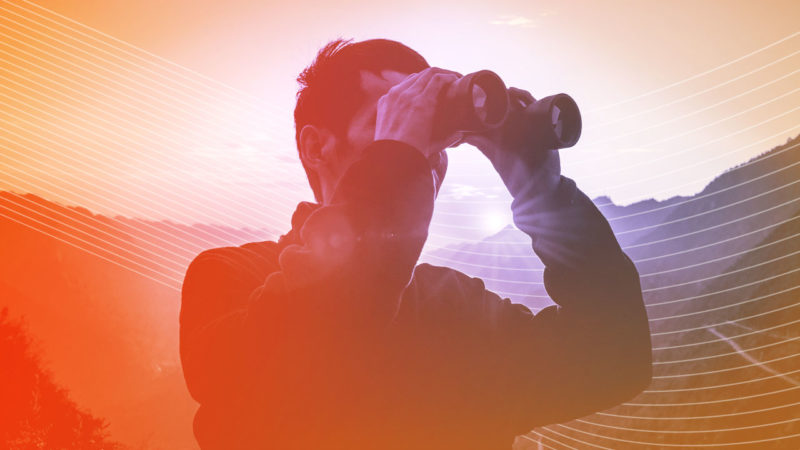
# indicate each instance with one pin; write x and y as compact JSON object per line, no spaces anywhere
{"x":434,"y":381}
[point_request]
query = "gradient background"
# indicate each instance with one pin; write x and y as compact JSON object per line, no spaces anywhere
{"x":210,"y":126}
{"x":181,"y":111}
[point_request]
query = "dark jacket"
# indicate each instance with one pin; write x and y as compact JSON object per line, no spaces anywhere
{"x":334,"y":338}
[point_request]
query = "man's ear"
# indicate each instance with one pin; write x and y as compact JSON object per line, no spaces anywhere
{"x":317,"y":147}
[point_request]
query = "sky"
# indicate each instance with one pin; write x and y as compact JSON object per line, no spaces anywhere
{"x":182,"y":110}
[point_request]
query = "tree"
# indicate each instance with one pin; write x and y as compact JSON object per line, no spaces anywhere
{"x":36,"y":413}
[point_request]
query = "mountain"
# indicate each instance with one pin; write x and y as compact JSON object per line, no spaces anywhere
{"x":719,"y":273}
{"x":102,"y":295}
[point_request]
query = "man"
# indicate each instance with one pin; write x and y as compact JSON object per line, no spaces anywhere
{"x":334,"y":338}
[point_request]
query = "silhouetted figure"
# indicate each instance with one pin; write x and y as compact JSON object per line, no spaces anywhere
{"x":334,"y":338}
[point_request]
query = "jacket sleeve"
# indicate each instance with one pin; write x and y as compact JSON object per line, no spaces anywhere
{"x":592,"y":349}
{"x":341,"y":280}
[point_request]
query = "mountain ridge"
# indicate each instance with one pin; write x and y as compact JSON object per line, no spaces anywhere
{"x":110,"y":333}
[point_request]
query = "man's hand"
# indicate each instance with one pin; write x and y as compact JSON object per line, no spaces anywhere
{"x":517,"y":165}
{"x":406,"y":113}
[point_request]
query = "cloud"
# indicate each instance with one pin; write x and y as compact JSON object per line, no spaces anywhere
{"x":514,"y":21}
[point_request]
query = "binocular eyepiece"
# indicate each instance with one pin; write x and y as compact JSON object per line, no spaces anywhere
{"x":479,"y":101}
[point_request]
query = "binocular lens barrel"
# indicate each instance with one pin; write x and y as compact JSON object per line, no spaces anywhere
{"x":555,"y":122}
{"x":479,"y":101}
{"x":475,"y":102}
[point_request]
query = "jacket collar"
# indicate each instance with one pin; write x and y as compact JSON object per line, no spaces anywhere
{"x":301,"y":214}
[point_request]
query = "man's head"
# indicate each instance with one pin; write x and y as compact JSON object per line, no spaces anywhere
{"x":337,"y":105}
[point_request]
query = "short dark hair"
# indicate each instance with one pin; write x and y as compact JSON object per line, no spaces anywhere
{"x":330,"y":90}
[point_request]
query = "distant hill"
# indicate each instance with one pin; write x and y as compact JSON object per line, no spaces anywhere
{"x":102,"y":295}
{"x":720,"y":274}
{"x":107,"y":320}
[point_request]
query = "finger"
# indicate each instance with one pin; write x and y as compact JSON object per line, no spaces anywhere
{"x":427,"y":75}
{"x":416,"y":82}
{"x":404,"y":85}
{"x":422,"y":80}
{"x":445,"y":71}
{"x":437,"y":82}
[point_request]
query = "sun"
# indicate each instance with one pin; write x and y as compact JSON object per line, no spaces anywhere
{"x":494,"y":221}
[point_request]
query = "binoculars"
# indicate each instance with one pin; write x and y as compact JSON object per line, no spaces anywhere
{"x":479,"y":101}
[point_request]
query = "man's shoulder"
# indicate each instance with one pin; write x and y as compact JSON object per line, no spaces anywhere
{"x":444,"y":287}
{"x":430,"y":273}
{"x":263,"y":252}
{"x":441,"y":296}
{"x":249,"y":262}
